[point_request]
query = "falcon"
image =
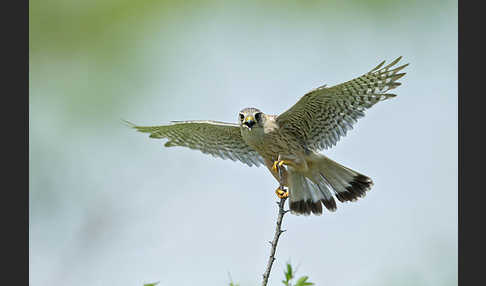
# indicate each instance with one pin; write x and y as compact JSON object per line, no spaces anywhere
{"x":288,"y":144}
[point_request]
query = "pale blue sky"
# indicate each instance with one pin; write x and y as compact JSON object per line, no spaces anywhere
{"x":109,"y":206}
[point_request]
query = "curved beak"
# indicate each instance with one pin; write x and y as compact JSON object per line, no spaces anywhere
{"x":249,"y":121}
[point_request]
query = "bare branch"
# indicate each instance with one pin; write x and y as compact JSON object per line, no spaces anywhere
{"x":278,"y":232}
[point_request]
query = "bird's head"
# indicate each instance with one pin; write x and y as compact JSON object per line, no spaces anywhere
{"x":251,"y":118}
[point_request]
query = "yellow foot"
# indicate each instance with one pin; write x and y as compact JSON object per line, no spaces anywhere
{"x":279,"y":163}
{"x":281,"y":193}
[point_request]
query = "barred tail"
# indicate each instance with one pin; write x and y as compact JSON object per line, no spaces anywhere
{"x":325,"y":180}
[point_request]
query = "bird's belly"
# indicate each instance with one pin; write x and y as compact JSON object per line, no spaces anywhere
{"x":272,"y":145}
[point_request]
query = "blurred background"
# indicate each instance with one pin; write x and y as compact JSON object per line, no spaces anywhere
{"x":109,"y":206}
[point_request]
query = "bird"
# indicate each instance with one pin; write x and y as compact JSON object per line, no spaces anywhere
{"x":289,"y":144}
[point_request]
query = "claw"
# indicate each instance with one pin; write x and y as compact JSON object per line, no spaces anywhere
{"x":279,"y":163}
{"x":281,"y":193}
{"x":274,"y":167}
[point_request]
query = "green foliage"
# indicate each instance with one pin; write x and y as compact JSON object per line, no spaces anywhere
{"x":303,"y":281}
{"x":290,"y":275}
{"x":231,"y":281}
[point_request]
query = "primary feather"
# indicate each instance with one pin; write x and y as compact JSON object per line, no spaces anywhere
{"x":219,"y":139}
{"x":324,"y":115}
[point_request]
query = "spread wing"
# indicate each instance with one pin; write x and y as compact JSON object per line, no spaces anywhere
{"x":324,"y":115}
{"x":219,"y":139}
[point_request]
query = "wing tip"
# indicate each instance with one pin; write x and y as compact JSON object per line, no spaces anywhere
{"x":392,"y":63}
{"x":143,"y":129}
{"x":378,"y":66}
{"x":128,"y":123}
{"x":398,"y":59}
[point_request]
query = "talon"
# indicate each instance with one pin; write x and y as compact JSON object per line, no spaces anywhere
{"x":279,"y":163}
{"x":274,"y":167}
{"x":281,"y":193}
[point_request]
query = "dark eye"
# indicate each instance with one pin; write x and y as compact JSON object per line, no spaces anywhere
{"x":242,"y":116}
{"x":258,"y":116}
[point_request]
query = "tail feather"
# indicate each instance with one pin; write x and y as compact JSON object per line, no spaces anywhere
{"x":325,"y":180}
{"x":302,"y":201}
{"x":356,"y":189}
{"x":325,"y":187}
{"x":307,"y":196}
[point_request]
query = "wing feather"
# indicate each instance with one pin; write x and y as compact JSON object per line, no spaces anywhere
{"x":218,"y":139}
{"x":324,"y":115}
